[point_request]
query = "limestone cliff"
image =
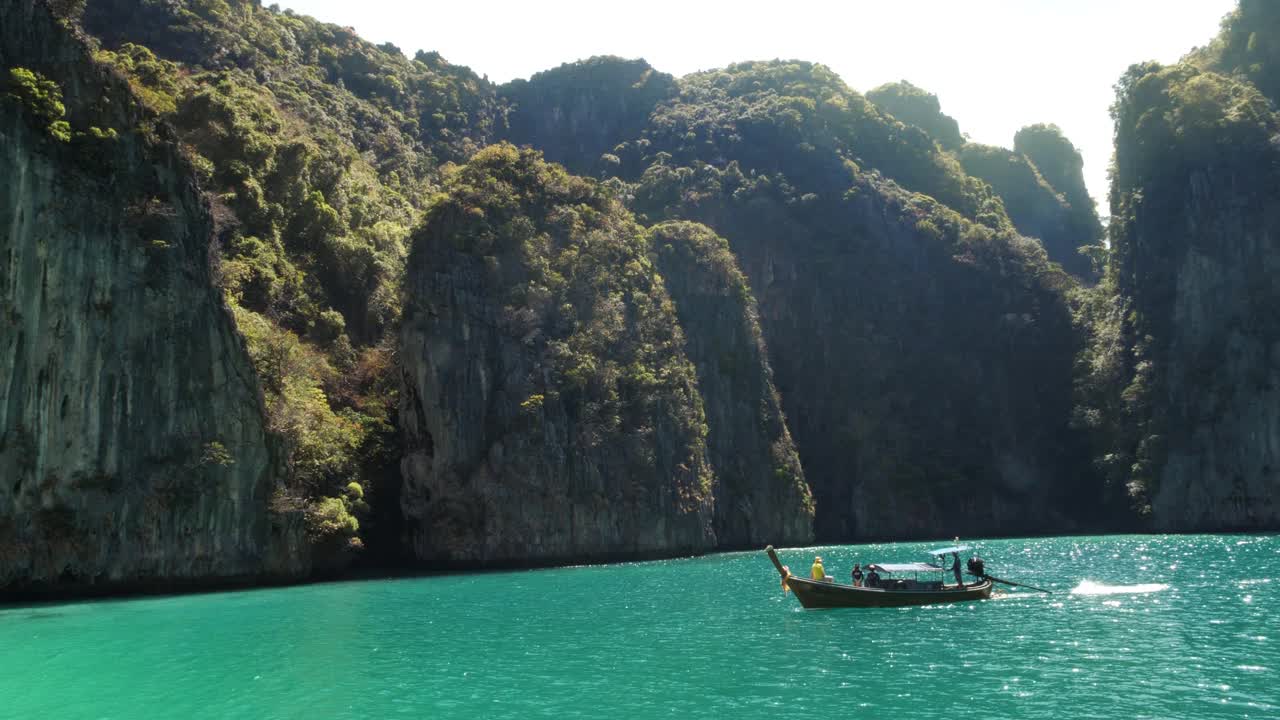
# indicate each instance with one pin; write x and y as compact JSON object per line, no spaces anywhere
{"x":1062,"y":218}
{"x":922,"y":351}
{"x":923,"y":362}
{"x":132,"y":443}
{"x":577,"y":113}
{"x":1194,"y":372}
{"x":549,"y":409}
{"x":760,"y":492}
{"x":572,"y":386}
{"x":915,"y":106}
{"x":1034,"y":206}
{"x":1062,"y":166}
{"x":921,"y":348}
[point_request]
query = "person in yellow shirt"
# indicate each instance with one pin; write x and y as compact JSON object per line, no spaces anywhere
{"x":818,"y":572}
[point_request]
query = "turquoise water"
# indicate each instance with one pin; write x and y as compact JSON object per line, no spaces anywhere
{"x":1138,"y":626}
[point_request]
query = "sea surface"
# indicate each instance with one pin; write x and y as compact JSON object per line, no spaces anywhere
{"x":1136,"y":627}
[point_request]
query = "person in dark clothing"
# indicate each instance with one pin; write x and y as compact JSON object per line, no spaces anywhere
{"x":857,"y":575}
{"x":873,"y":577}
{"x":955,"y":568}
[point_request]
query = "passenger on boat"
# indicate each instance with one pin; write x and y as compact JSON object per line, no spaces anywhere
{"x":873,"y":577}
{"x":955,"y":568}
{"x":817,"y":572}
{"x":857,"y":575}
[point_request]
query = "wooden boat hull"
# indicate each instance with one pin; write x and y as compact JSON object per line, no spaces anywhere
{"x":814,"y":594}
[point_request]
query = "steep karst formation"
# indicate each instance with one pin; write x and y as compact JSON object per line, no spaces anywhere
{"x":915,"y":106}
{"x":761,"y":495}
{"x":1049,"y":204}
{"x":1248,"y":45}
{"x":1184,"y":389}
{"x":319,"y":152}
{"x":903,"y":341}
{"x":551,"y":410}
{"x":1061,"y":165}
{"x":1037,"y":208}
{"x":922,"y":350}
{"x":274,"y":301}
{"x":578,"y":112}
{"x":133,"y":443}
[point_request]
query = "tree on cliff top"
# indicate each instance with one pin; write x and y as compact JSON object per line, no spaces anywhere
{"x":1248,"y":45}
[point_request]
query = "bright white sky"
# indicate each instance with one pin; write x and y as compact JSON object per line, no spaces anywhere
{"x":996,"y":65}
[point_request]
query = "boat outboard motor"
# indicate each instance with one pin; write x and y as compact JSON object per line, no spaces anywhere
{"x":977,"y":567}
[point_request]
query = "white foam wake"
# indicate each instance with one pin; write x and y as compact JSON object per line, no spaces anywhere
{"x":1089,"y":587}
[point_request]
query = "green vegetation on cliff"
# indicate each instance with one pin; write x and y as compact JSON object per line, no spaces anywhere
{"x":801,"y":120}
{"x":577,"y":276}
{"x":1184,"y":303}
{"x":1049,"y":203}
{"x":468,"y":338}
{"x":1248,"y":45}
{"x":578,"y":112}
{"x":318,"y":152}
{"x":886,"y":379}
{"x":41,"y":97}
{"x":918,"y":107}
{"x":761,"y":494}
{"x":1063,"y":168}
{"x":552,"y":411}
{"x":1036,"y":207}
{"x":133,"y":441}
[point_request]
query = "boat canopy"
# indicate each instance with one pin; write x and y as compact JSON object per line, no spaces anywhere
{"x":949,"y":550}
{"x":905,"y":567}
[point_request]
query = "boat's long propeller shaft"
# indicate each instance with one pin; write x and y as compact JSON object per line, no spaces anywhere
{"x":1014,"y":584}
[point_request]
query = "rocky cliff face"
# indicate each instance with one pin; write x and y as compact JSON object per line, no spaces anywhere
{"x":321,"y":151}
{"x":760,"y":491}
{"x":923,"y":358}
{"x":1034,"y":206}
{"x":1222,"y":470}
{"x":923,"y":361}
{"x":577,"y":113}
{"x":1059,"y":163}
{"x":915,"y":106}
{"x":1248,"y":45}
{"x":132,"y":442}
{"x":922,"y":349}
{"x":1061,"y":216}
{"x":575,"y":386}
{"x":1197,"y":247}
{"x":550,"y":411}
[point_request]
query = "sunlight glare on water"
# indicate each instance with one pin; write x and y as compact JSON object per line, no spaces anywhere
{"x":1137,"y":627}
{"x":1089,"y":587}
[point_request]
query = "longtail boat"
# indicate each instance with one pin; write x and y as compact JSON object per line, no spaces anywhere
{"x":895,"y":591}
